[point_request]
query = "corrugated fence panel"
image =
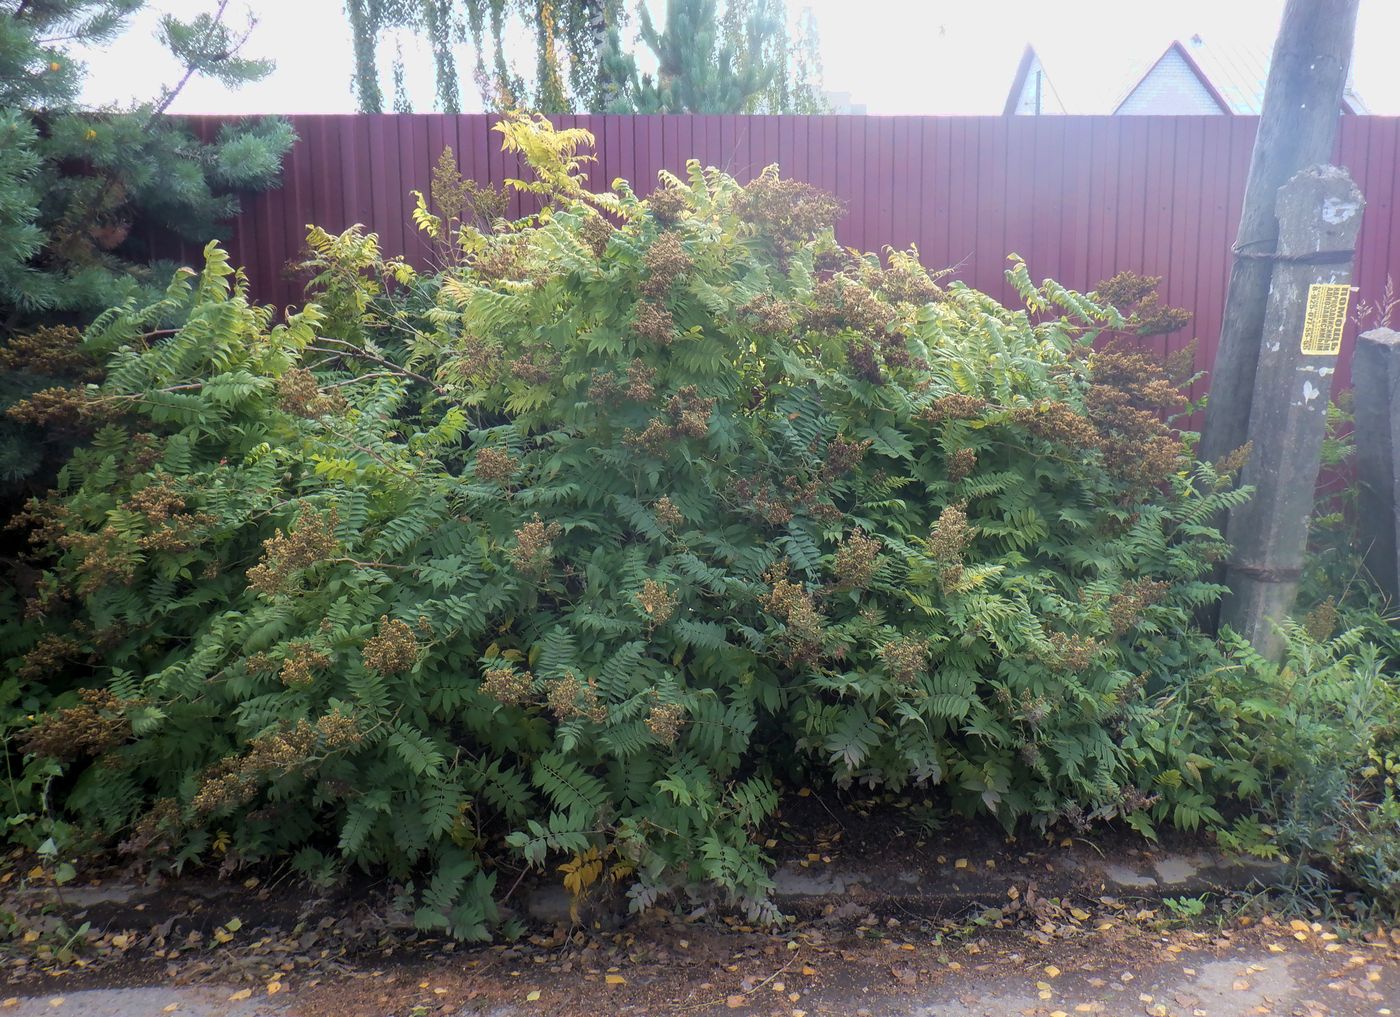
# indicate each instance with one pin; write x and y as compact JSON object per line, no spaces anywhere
{"x":1080,"y":198}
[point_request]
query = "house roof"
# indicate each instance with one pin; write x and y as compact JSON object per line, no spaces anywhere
{"x":1177,"y":49}
{"x":1234,"y":75}
{"x":1031,"y":62}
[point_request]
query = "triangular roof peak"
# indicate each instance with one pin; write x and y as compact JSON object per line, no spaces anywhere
{"x":1177,"y":51}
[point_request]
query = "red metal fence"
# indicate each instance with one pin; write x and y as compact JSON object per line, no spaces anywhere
{"x":1079,"y":197}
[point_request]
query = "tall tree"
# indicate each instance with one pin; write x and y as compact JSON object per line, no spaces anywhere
{"x":712,"y":57}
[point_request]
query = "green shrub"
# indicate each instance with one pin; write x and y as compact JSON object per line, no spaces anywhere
{"x":576,"y":549}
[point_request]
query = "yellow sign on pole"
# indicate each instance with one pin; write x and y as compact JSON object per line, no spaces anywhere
{"x":1326,"y":319}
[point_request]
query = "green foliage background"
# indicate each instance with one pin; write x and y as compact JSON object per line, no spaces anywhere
{"x":583,"y":547}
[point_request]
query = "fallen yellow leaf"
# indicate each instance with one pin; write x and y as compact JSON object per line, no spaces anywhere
{"x":1080,"y":914}
{"x":1298,"y":926}
{"x":12,"y":1001}
{"x":1058,"y":1013}
{"x":1240,"y":985}
{"x":121,"y":941}
{"x":532,"y":996}
{"x":171,"y":1008}
{"x":56,"y":1001}
{"x":274,"y":987}
{"x":807,"y":969}
{"x":241,"y":994}
{"x":961,"y":863}
{"x":615,"y":980}
{"x":1052,"y":971}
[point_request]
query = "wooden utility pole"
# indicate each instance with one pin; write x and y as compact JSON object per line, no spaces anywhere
{"x":1297,"y":128}
{"x":1319,"y":216}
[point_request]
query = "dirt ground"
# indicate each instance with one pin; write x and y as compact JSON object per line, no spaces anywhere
{"x":885,"y":923}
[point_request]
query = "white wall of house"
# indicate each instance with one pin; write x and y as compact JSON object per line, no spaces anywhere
{"x":1037,"y":97}
{"x":1170,"y":88}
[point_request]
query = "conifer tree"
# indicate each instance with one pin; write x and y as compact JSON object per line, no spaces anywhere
{"x":89,"y":198}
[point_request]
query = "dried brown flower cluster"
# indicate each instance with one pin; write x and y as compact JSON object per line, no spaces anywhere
{"x":905,"y":281}
{"x":98,"y":723}
{"x":1321,"y":622}
{"x":640,"y":388}
{"x":1031,"y":710}
{"x":70,"y":408}
{"x":495,"y":465}
{"x":905,"y":659}
{"x":1126,"y":606}
{"x":311,"y":540}
{"x":842,"y":456}
{"x":961,"y":464}
{"x":508,"y":687}
{"x":535,"y":367}
{"x":666,"y":261}
{"x":301,"y":664}
{"x":1057,"y":422}
{"x":770,"y":316}
{"x":1136,"y":298}
{"x":1228,"y":466}
{"x":953,"y":407}
{"x":665,"y":720}
{"x":668,"y":204}
{"x":504,"y":257}
{"x":793,"y":605}
{"x":162,"y":506}
{"x":461,"y":199}
{"x":667,"y":514}
{"x":48,"y":655}
{"x":790,"y":213}
{"x":947,"y":542}
{"x":103,"y":558}
{"x":51,"y":350}
{"x":839,"y":304}
{"x":234,"y":781}
{"x":658,"y":601}
{"x":1126,"y":402}
{"x":157,"y":501}
{"x":863,"y":362}
{"x":298,"y":393}
{"x":687,"y":416}
{"x":534,"y":547}
{"x":763,"y":500}
{"x":569,"y":698}
{"x":1072,"y":653}
{"x":391,"y":650}
{"x":856,"y":561}
{"x":653,"y":322}
{"x":596,"y":232}
{"x":479,"y":363}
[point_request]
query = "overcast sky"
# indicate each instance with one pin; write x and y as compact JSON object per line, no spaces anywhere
{"x":895,"y":56}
